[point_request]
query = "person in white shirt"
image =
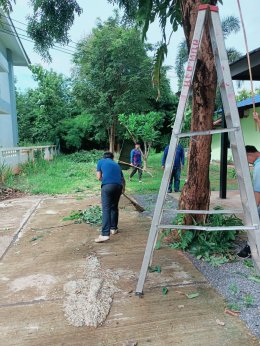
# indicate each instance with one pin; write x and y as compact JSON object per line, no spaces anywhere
{"x":253,"y":158}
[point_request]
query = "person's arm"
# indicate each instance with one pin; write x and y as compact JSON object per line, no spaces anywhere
{"x":131,"y":156}
{"x":99,"y":175}
{"x":123,"y":183}
{"x":99,"y":171}
{"x":165,"y":153}
{"x":182,"y":156}
{"x":256,"y":181}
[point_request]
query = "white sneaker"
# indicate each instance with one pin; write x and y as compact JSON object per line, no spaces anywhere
{"x":114,"y":231}
{"x":102,"y":239}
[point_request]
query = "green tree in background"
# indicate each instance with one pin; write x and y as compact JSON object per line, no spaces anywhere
{"x":245,"y":94}
{"x":113,"y":75}
{"x":173,"y":13}
{"x":40,"y":110}
{"x":76,"y":131}
{"x":143,"y":128}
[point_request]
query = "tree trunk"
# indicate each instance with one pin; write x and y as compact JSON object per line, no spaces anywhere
{"x":196,"y":191}
{"x":112,"y":137}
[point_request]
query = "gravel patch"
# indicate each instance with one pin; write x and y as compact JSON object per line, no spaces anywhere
{"x":88,"y":300}
{"x":148,"y":202}
{"x":231,"y":280}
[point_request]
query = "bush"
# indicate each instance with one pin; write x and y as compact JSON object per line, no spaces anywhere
{"x":91,"y":156}
{"x":206,"y":244}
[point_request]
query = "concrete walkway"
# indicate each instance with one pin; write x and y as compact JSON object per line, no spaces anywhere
{"x":49,"y":252}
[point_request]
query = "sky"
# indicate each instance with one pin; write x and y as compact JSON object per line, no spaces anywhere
{"x":93,"y":9}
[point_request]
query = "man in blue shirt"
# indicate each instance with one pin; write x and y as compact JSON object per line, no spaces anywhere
{"x":136,"y":162}
{"x":253,"y":158}
{"x":176,"y":172}
{"x":112,"y":186}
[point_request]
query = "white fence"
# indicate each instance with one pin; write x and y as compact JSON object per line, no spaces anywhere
{"x":15,"y":156}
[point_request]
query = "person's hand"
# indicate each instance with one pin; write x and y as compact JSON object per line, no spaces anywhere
{"x":132,"y":164}
{"x":163,"y":168}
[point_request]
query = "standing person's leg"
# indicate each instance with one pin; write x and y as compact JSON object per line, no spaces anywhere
{"x":106,"y":213}
{"x":133,"y":172}
{"x":170,"y":183}
{"x":177,"y":175}
{"x":140,"y":172}
{"x":114,"y":208}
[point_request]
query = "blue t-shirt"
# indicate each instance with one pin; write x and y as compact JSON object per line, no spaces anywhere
{"x":111,"y":172}
{"x":136,"y":157}
{"x":256,"y":175}
{"x":179,"y":156}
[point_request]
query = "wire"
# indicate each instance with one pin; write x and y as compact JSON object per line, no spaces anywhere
{"x":249,"y":62}
{"x":25,"y":38}
{"x":24,"y":24}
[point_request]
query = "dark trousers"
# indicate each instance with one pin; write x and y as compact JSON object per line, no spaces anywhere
{"x":176,"y":174}
{"x":110,"y":195}
{"x":135,"y":169}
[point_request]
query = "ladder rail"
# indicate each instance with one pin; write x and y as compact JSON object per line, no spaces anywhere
{"x":235,"y":135}
{"x":206,"y":132}
{"x":205,"y":212}
{"x":209,"y":228}
{"x":190,"y":70}
{"x":239,"y":155}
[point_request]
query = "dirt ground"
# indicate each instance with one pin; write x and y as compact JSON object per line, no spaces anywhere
{"x":43,"y":253}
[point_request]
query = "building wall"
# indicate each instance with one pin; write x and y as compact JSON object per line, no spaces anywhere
{"x":8,"y":122}
{"x":251,"y":136}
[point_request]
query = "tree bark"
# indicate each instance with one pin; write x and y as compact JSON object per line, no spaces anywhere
{"x":196,"y":191}
{"x":112,"y":137}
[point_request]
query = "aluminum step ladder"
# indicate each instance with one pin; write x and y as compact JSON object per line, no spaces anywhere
{"x":208,"y":15}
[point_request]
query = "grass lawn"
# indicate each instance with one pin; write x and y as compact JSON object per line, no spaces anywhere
{"x":66,"y":175}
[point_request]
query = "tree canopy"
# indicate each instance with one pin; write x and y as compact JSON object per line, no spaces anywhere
{"x":113,"y":75}
{"x":41,"y":109}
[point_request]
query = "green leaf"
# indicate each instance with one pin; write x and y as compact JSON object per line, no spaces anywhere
{"x":248,"y":263}
{"x":160,"y":55}
{"x":192,"y":295}
{"x":255,"y":278}
{"x":164,"y":291}
{"x":156,"y":269}
{"x":36,"y":238}
{"x":158,"y":245}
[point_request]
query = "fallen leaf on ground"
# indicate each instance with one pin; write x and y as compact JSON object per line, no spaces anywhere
{"x":36,"y":238}
{"x":130,"y":343}
{"x":164,"y":291}
{"x":255,"y":278}
{"x":192,"y":295}
{"x":156,"y":269}
{"x":180,"y":306}
{"x":220,"y":323}
{"x":232,"y":313}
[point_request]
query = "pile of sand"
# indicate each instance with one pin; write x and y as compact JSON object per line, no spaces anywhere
{"x":88,"y":300}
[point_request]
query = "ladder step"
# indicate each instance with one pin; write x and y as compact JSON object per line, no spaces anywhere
{"x":205,"y":133}
{"x":206,"y":212}
{"x":210,"y":229}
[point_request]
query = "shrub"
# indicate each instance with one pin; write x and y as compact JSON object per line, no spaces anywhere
{"x":207,"y":244}
{"x":86,"y":156}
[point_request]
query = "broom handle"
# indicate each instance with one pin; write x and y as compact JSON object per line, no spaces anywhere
{"x":128,"y":164}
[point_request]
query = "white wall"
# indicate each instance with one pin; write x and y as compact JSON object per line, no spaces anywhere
{"x":6,"y":131}
{"x":6,"y":121}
